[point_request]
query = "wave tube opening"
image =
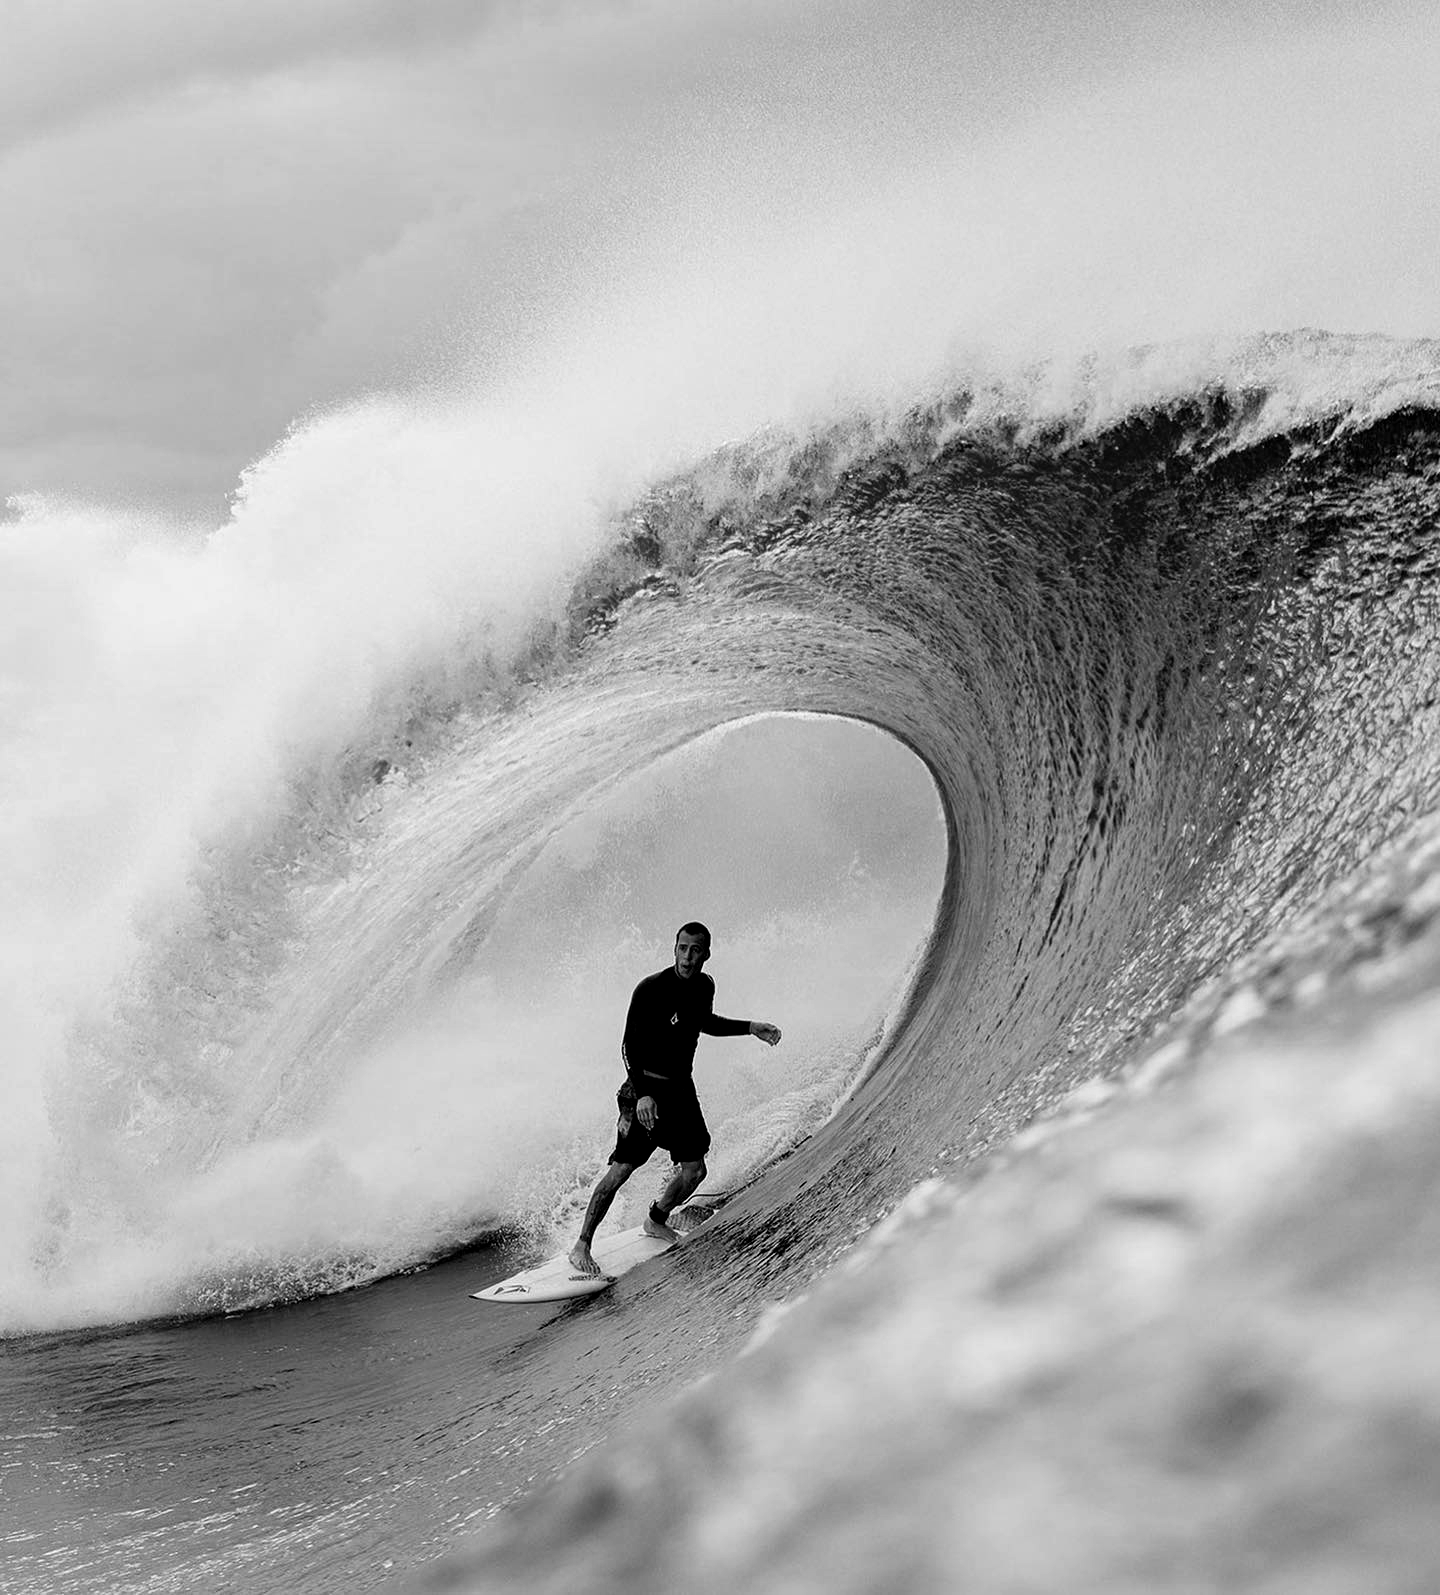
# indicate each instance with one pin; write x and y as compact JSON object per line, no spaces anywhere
{"x":814,"y":849}
{"x":439,"y":1061}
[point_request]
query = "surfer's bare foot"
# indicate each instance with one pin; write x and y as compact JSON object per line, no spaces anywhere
{"x":582,"y":1262}
{"x":661,"y":1232}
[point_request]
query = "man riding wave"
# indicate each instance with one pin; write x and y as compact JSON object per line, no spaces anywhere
{"x":669,"y":1012}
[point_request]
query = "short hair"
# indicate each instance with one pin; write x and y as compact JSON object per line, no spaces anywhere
{"x":694,"y":928}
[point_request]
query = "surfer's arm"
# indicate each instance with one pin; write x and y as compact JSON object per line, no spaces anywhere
{"x":711,"y":1023}
{"x":717,"y":1025}
{"x":714,"y":1024}
{"x":643,"y":1093}
{"x":638,"y":1046}
{"x":635,"y":1075}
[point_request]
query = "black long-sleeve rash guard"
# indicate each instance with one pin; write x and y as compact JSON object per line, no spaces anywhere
{"x":663,"y":1028}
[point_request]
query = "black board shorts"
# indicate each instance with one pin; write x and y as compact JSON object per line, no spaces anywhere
{"x":679,"y":1126}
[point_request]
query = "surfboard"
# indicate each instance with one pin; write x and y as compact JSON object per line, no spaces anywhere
{"x":556,"y":1280}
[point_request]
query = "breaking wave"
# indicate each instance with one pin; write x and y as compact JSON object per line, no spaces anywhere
{"x":1163,"y":635}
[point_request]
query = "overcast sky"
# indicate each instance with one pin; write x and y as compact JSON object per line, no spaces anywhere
{"x":220,"y":217}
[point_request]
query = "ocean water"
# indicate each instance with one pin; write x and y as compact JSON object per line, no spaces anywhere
{"x":1120,"y":695}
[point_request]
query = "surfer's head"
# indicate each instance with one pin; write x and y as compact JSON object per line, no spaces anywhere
{"x":692,"y":948}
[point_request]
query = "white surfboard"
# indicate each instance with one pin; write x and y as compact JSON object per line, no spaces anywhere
{"x":557,"y":1279}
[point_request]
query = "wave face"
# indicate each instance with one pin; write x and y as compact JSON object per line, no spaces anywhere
{"x":1170,"y":660}
{"x":1175,"y":676}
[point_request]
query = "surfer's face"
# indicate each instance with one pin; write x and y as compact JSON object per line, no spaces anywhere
{"x":691,"y":952}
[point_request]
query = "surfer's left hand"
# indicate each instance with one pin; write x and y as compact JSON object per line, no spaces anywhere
{"x":769,"y":1034}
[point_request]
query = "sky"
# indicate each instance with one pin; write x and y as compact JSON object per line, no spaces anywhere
{"x":221,"y":219}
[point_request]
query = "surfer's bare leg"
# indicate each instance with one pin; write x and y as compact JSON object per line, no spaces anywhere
{"x":601,"y":1197}
{"x":679,"y":1188}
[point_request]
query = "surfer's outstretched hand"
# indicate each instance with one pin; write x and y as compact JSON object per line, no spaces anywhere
{"x":769,"y":1034}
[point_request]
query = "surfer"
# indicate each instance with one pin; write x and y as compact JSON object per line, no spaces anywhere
{"x":669,"y":1011}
